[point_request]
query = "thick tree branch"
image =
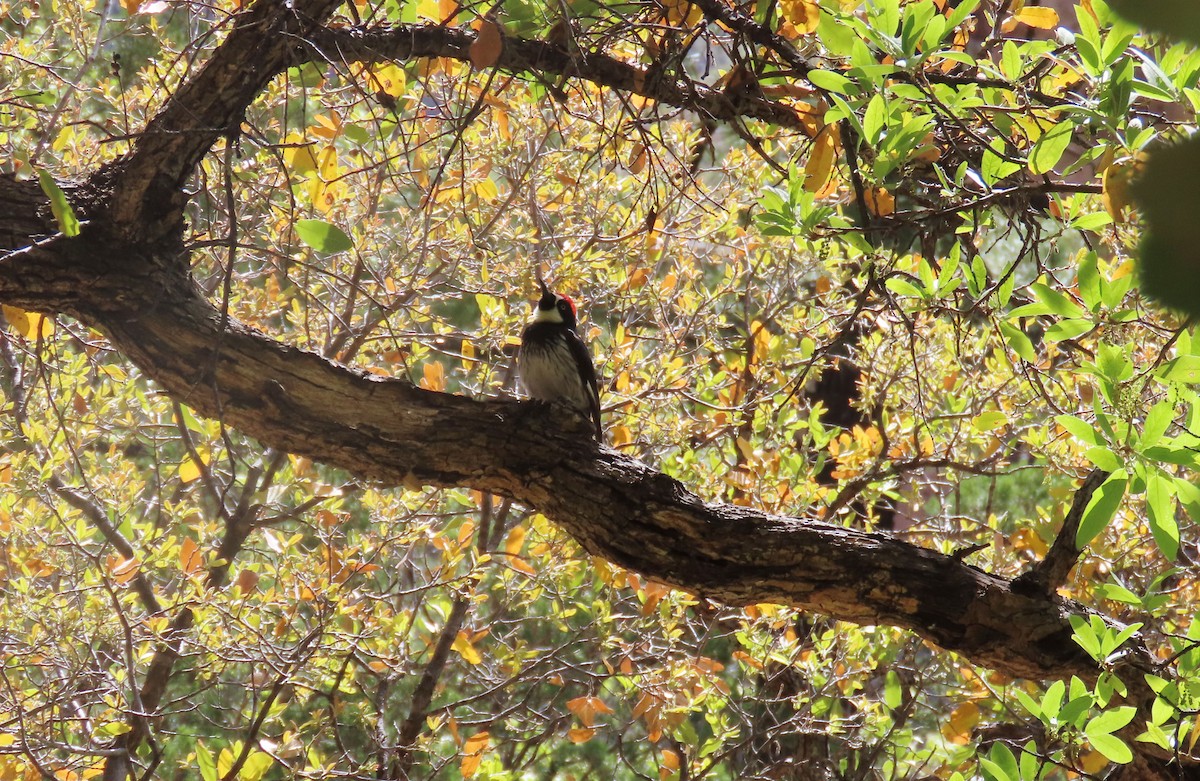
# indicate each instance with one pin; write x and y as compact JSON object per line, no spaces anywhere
{"x":395,"y":433}
{"x":413,"y":41}
{"x":148,"y":197}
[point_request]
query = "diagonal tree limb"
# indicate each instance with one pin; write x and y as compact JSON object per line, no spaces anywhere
{"x":147,"y":184}
{"x":520,"y":55}
{"x":397,"y":434}
{"x":1050,"y":573}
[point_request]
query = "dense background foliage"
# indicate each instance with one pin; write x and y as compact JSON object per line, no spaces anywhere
{"x":910,"y":302}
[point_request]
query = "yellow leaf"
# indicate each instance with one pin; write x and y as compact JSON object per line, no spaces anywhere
{"x":390,"y":79}
{"x":462,"y":644}
{"x":1038,"y":16}
{"x":1194,"y":735}
{"x":447,"y":10}
{"x":190,"y":560}
{"x":298,"y":155}
{"x":962,"y":720}
{"x":18,"y":318}
{"x":190,"y":469}
{"x":30,"y":325}
{"x":1116,"y":181}
{"x":486,"y":189}
{"x":818,"y":171}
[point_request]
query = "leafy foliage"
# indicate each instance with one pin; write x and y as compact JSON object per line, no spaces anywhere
{"x":945,"y":216}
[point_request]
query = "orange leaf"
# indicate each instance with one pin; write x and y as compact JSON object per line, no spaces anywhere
{"x":586,"y":708}
{"x":434,"y":376}
{"x":880,"y":202}
{"x":581,"y":735}
{"x":247,"y":581}
{"x":485,"y":49}
{"x":800,"y":17}
{"x":190,"y":560}
{"x":123,"y":569}
{"x":515,"y":540}
{"x":1038,"y":16}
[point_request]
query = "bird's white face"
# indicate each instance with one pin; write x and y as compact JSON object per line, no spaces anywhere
{"x":562,"y":309}
{"x":551,"y":315}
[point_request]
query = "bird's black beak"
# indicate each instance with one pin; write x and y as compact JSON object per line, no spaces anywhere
{"x":542,"y":284}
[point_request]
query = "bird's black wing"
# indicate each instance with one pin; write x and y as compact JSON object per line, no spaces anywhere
{"x":587,"y":370}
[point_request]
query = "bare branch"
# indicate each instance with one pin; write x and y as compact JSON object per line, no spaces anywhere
{"x":1051,"y":572}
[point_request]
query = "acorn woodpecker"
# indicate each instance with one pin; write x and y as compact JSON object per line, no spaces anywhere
{"x":553,"y":361}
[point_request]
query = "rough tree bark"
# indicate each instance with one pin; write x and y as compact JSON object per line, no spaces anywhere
{"x":126,"y":276}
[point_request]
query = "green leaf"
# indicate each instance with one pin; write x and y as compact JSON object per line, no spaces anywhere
{"x":1104,"y":458}
{"x":1087,"y":278}
{"x":1112,"y":363}
{"x":1052,"y":700}
{"x":1102,"y":507}
{"x":904,"y":287}
{"x":1000,"y":763}
{"x":1050,"y":147}
{"x":961,"y":12}
{"x":204,"y":760}
{"x":1112,"y":747}
{"x":1184,"y":369}
{"x":875,"y":119}
{"x":893,"y":692}
{"x":1073,"y":710}
{"x":1019,"y":342}
{"x":1030,"y":704}
{"x":1110,"y":720}
{"x":323,"y":236}
{"x":1158,"y":419}
{"x":1079,"y":428}
{"x":1161,"y":502}
{"x":1068,"y":329}
{"x":59,"y":205}
{"x":830,"y":81}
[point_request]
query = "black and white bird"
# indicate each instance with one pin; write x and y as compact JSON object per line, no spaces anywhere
{"x":554,"y":363}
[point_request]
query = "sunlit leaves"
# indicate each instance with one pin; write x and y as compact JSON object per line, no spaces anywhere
{"x":1050,"y":147}
{"x":1101,"y":508}
{"x":30,"y":325}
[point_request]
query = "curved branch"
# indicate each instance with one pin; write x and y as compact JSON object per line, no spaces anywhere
{"x":393,"y":432}
{"x":413,"y":41}
{"x":148,"y":197}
